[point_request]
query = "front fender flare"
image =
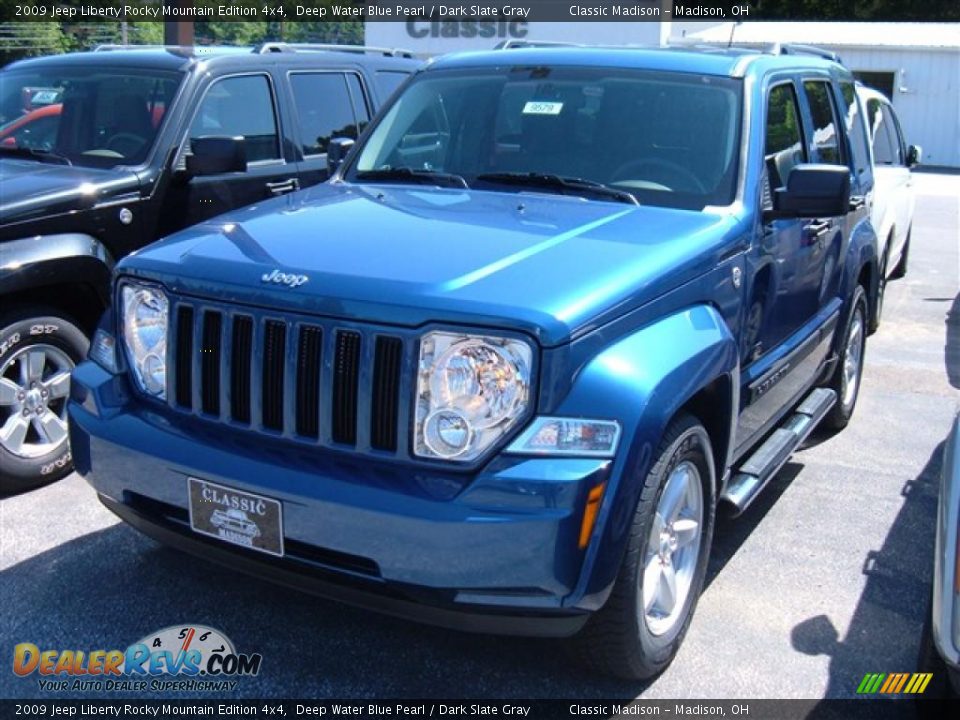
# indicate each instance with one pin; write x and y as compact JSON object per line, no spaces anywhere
{"x":45,"y":260}
{"x":643,"y":380}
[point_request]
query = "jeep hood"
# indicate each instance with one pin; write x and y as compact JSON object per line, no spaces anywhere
{"x":30,"y":189}
{"x":550,"y":265}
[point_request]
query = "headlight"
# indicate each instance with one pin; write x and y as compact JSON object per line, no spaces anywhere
{"x":471,"y":390}
{"x":144,"y":321}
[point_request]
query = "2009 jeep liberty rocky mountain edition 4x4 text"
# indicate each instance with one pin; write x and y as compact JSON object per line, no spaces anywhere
{"x":555,"y":307}
{"x":104,"y":152}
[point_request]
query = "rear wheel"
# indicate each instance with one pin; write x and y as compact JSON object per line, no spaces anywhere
{"x":37,"y":353}
{"x":846,"y":378}
{"x":640,"y":628}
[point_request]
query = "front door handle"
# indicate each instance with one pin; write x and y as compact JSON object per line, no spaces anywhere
{"x":281,"y":187}
{"x":857,"y":202}
{"x":815,"y":232}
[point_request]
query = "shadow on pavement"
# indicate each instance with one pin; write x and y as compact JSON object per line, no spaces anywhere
{"x":898,"y":577}
{"x":108,"y":589}
{"x":731,"y":532}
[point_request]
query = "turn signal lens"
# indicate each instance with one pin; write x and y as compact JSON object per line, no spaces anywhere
{"x":590,"y":514}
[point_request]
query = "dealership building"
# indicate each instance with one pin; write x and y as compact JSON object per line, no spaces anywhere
{"x":917,"y":65}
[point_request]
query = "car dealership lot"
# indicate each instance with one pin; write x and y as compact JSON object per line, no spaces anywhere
{"x":824,"y":579}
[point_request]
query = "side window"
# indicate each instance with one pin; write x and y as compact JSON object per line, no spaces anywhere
{"x":825,"y":138}
{"x":360,"y":104}
{"x":893,"y":130}
{"x":855,"y":130}
{"x":883,"y":153}
{"x":783,"y":148}
{"x":240,"y":106}
{"x":324,"y":109}
{"x":388,"y":81}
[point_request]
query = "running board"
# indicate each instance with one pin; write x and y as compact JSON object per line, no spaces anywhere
{"x":757,"y":470}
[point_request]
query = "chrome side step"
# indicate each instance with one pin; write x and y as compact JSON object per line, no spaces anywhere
{"x":756,"y":471}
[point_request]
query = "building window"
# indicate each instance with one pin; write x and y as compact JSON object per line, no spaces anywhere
{"x":882,"y":81}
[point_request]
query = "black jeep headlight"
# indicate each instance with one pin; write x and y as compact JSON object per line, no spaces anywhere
{"x":144,"y":322}
{"x":471,"y":390}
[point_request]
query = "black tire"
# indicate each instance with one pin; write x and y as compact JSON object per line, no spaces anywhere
{"x":65,"y":345}
{"x":900,"y":271}
{"x":839,"y":416}
{"x":617,"y":640}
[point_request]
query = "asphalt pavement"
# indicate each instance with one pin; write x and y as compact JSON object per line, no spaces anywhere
{"x":825,"y":578}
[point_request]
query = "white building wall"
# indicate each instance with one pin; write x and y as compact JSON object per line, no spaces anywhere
{"x":926,"y":95}
{"x":423,"y":37}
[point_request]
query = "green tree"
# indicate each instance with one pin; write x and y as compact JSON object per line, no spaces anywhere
{"x":19,"y":40}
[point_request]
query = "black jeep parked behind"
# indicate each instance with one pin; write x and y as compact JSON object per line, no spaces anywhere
{"x":104,"y":152}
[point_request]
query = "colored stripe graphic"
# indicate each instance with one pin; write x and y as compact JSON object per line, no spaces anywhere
{"x":894,"y":683}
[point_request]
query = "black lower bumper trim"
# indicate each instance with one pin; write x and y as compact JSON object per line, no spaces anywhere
{"x":476,"y":621}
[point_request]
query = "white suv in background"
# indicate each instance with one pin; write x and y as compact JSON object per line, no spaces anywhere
{"x":892,"y":214}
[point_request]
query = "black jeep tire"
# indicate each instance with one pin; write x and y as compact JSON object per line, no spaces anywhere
{"x":620,"y":639}
{"x":848,"y":374}
{"x":37,"y":346}
{"x":900,"y":271}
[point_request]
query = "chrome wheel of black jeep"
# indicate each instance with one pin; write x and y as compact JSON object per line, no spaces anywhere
{"x":37,"y":355}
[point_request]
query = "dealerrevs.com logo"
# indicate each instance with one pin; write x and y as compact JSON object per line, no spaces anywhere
{"x":183,"y":658}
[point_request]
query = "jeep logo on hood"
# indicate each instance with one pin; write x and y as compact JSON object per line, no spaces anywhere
{"x":281,"y":278}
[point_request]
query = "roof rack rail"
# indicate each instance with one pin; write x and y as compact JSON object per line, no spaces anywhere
{"x":117,"y":46}
{"x":795,"y":49}
{"x":280,"y":47}
{"x":513,"y":44}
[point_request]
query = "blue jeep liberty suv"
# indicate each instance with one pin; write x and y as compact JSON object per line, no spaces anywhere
{"x":554,"y":308}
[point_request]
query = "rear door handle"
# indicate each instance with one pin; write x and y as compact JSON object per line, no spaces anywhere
{"x":816,"y":231}
{"x":857,"y":202}
{"x":282,"y":187}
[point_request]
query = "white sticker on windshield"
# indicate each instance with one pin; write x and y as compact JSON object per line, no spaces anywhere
{"x":535,"y":107}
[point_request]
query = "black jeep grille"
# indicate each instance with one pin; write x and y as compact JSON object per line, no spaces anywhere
{"x":306,"y":379}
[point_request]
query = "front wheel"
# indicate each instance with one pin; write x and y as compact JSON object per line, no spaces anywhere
{"x":640,"y":628}
{"x":37,"y":353}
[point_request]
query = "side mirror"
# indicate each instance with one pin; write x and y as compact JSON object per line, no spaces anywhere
{"x":216,"y":155}
{"x":336,"y":151}
{"x":914,"y":154}
{"x":814,"y":191}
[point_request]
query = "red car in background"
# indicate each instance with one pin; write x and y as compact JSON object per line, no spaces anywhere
{"x":38,"y":128}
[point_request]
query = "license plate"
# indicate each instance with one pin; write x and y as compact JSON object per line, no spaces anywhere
{"x":237,"y":517}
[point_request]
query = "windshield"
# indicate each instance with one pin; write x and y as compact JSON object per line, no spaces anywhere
{"x":85,"y":116}
{"x":667,"y":139}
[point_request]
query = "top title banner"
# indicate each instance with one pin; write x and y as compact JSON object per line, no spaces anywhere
{"x":410,"y":10}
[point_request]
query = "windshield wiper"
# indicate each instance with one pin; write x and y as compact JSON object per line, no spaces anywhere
{"x":406,"y":173}
{"x":561,"y":182}
{"x":43,"y":155}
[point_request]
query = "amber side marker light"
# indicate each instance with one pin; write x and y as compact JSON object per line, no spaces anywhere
{"x":590,"y":514}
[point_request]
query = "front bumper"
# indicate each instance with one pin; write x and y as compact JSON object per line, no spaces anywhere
{"x":494,"y":552}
